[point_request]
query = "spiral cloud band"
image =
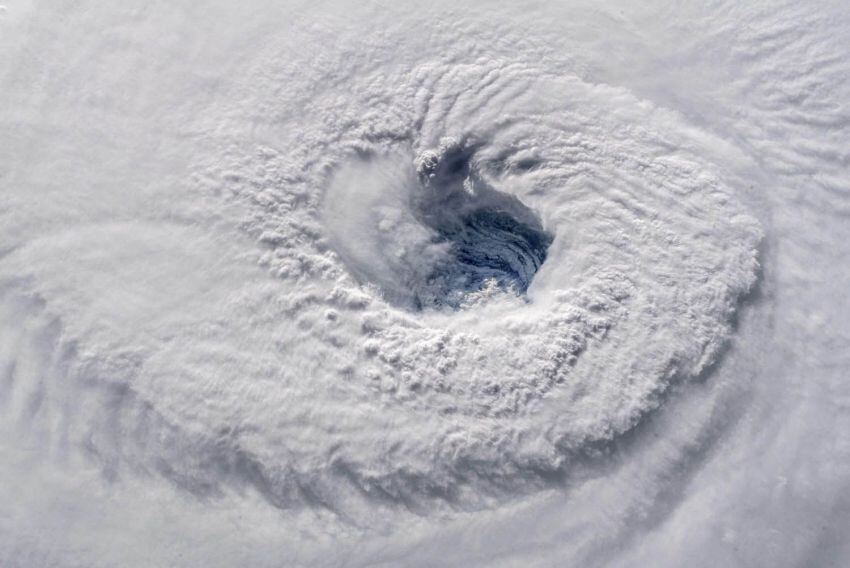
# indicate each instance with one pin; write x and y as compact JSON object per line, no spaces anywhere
{"x":319,"y":284}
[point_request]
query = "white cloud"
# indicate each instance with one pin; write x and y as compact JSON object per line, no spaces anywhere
{"x":213,"y":233}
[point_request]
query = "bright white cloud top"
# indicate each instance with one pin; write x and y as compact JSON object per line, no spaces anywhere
{"x":320,"y":284}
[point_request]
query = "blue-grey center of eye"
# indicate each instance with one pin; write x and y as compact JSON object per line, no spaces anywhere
{"x":490,"y":247}
{"x":493,"y":239}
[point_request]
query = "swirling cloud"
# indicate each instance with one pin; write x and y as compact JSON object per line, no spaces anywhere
{"x":490,"y":286}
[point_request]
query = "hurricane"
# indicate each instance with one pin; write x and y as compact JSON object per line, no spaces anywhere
{"x":405,"y":284}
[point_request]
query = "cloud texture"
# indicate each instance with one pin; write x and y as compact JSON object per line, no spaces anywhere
{"x":481,"y":285}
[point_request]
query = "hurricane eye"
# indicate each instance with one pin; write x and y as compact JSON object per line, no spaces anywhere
{"x":487,"y":247}
{"x":492,"y":238}
{"x":437,"y":236}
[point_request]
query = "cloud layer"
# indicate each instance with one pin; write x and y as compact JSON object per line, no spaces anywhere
{"x":293,"y":287}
